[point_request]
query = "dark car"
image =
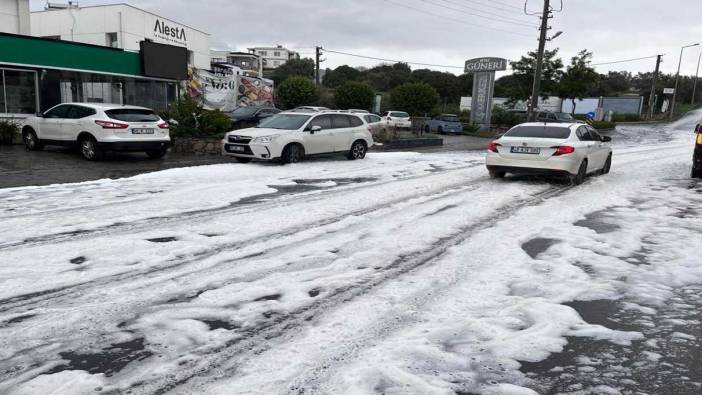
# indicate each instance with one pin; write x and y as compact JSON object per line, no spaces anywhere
{"x":249,"y":116}
{"x":555,"y":117}
{"x":697,"y":154}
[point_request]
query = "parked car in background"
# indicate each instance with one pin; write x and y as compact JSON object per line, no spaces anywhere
{"x":556,"y":117}
{"x":398,"y":119}
{"x":697,"y":154}
{"x":250,"y":116}
{"x":292,"y":135}
{"x":375,"y":123}
{"x":96,"y":128}
{"x":444,"y":123}
{"x":572,"y":150}
{"x":357,"y":111}
{"x":309,"y":108}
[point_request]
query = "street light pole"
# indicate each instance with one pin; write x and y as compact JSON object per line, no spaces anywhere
{"x":694,"y":85}
{"x":677,"y":77}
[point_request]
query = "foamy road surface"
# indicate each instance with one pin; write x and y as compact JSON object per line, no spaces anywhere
{"x":403,"y":273}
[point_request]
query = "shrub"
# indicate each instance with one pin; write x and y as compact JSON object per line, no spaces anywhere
{"x":416,"y":98}
{"x":626,"y":118}
{"x":603,"y":125}
{"x":470,"y":128}
{"x":502,"y":117}
{"x":464,"y":116}
{"x":297,"y":91}
{"x":194,"y":121}
{"x":9,"y":129}
{"x":354,"y":95}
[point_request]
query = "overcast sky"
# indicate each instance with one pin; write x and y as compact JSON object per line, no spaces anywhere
{"x":445,"y":32}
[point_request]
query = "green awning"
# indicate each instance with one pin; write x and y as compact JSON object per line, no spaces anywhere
{"x":40,"y":52}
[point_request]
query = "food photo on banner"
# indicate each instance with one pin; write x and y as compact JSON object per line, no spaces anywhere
{"x":227,"y":91}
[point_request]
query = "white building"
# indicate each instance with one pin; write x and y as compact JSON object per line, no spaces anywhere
{"x":274,"y":56}
{"x":14,"y":17}
{"x":120,"y":26}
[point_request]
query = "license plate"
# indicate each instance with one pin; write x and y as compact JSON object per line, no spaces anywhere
{"x":142,"y":131}
{"x":525,"y":150}
{"x":236,"y":148}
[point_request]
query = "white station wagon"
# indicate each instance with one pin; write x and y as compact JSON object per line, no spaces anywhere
{"x":572,"y":150}
{"x":290,"y":136}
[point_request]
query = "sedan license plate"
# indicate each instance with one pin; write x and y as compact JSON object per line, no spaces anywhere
{"x":525,"y":150}
{"x":236,"y":148}
{"x":142,"y":131}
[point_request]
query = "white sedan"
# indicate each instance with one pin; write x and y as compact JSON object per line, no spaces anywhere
{"x":572,"y":150}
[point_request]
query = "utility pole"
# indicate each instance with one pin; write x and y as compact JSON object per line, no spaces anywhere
{"x":536,"y":89}
{"x":677,"y":77}
{"x":697,"y":75}
{"x":318,"y":55}
{"x":651,"y":98}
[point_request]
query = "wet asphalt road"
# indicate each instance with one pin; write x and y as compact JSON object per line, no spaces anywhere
{"x":19,"y":167}
{"x":667,"y":361}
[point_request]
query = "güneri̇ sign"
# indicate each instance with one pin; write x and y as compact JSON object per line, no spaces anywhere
{"x":483,"y":70}
{"x":485,"y":64}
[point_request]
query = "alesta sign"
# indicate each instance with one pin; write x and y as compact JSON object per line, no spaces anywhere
{"x":485,"y":64}
{"x":169,"y":33}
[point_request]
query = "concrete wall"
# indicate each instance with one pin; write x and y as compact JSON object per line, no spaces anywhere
{"x":14,"y":17}
{"x":90,"y":25}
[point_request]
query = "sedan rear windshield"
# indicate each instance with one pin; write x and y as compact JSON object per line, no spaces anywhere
{"x":284,"y":121}
{"x":399,"y":114}
{"x":449,"y":118}
{"x":132,"y":115}
{"x":539,"y":132}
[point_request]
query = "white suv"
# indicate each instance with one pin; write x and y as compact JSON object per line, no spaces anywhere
{"x":290,"y":136}
{"x":96,"y":128}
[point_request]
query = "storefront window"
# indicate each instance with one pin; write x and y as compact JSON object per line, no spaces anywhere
{"x":2,"y":93}
{"x":19,"y":92}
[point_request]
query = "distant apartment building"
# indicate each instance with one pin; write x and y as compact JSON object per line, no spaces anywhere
{"x":273,"y":57}
{"x":249,"y":63}
{"x":14,"y":17}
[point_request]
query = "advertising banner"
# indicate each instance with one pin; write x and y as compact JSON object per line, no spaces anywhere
{"x":229,"y":91}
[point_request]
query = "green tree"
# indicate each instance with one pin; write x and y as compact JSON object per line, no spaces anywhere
{"x":340,"y":75}
{"x":297,"y":91}
{"x":416,"y":98}
{"x":579,"y":78}
{"x":354,"y":95}
{"x":300,"y":67}
{"x":385,"y":77}
{"x":523,"y":75}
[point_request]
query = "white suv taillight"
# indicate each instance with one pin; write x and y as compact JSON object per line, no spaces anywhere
{"x":111,"y":124}
{"x":162,"y":125}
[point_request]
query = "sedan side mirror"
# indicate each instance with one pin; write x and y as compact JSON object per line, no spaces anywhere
{"x":606,"y":139}
{"x":698,"y":127}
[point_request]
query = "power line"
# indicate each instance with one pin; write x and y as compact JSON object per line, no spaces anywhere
{"x":392,"y":60}
{"x":492,"y":5}
{"x":501,"y":20}
{"x":624,"y":61}
{"x":500,"y":15}
{"x":455,"y":20}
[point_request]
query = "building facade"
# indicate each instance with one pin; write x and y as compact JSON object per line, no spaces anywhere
{"x":249,"y":63}
{"x":120,"y":26}
{"x":273,"y":57}
{"x":14,"y":17}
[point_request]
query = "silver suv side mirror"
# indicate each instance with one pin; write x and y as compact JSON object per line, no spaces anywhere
{"x":315,"y":128}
